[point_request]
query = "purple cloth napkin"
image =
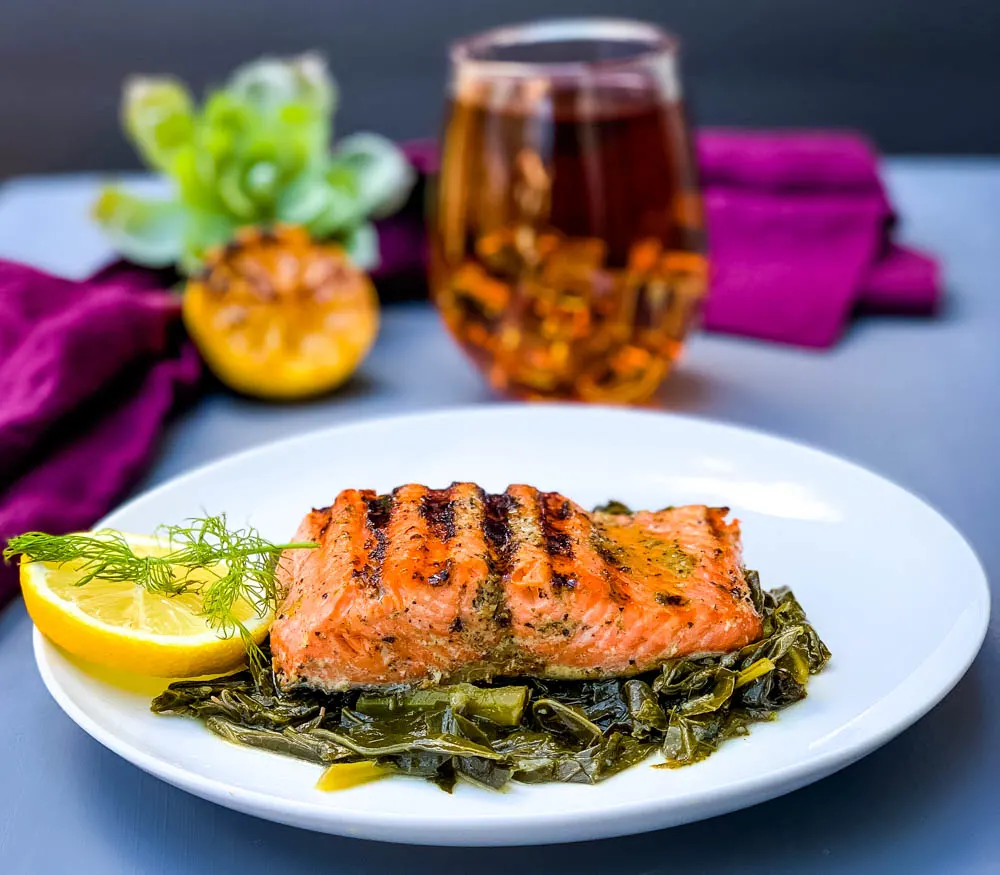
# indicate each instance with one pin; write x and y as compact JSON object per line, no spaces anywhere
{"x":89,"y":371}
{"x":799,"y":229}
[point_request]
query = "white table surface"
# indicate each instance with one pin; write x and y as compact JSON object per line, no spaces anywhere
{"x":915,"y":399}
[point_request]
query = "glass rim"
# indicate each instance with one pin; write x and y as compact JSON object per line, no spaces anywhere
{"x":659,"y":43}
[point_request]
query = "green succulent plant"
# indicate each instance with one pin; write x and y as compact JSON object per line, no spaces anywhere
{"x":256,"y":152}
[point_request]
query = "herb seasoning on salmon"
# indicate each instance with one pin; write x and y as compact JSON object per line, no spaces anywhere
{"x":437,"y":585}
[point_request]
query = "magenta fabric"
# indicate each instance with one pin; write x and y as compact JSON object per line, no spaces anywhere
{"x":799,"y":228}
{"x":89,"y":372}
{"x":902,"y":280}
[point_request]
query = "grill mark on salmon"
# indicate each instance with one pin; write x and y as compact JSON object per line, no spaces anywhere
{"x":376,"y":517}
{"x":553,"y":510}
{"x":439,"y":511}
{"x":500,"y":542}
{"x":497,"y":531}
{"x":422,"y":586}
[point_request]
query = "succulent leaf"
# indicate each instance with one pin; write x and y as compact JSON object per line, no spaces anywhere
{"x":383,"y":175}
{"x":145,"y":231}
{"x":158,"y":115}
{"x":256,"y":152}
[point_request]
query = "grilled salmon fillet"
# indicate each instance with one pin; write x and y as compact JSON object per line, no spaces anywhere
{"x":429,"y":585}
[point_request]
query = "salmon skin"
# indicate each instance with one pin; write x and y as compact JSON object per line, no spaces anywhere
{"x":424,"y":586}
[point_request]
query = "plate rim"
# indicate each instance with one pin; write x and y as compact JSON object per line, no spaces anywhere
{"x":607,"y":821}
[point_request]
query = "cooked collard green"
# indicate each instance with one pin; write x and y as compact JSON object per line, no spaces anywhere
{"x":528,"y":730}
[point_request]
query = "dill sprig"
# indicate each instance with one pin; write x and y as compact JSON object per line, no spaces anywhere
{"x":104,"y":554}
{"x":240,"y":563}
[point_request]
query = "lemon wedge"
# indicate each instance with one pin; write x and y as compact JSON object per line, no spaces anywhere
{"x":120,"y":625}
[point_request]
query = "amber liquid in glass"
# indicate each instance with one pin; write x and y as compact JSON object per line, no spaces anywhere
{"x":568,"y":241}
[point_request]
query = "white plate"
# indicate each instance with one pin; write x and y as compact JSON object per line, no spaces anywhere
{"x":893,"y":589}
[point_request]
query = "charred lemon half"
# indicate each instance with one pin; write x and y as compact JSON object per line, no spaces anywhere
{"x":278,"y":315}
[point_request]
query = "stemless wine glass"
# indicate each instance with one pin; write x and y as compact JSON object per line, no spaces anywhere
{"x":567,"y":241}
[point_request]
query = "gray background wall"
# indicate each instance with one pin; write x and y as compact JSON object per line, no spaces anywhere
{"x":918,"y":75}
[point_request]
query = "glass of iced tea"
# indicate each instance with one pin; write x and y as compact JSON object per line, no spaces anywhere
{"x":567,"y":252}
